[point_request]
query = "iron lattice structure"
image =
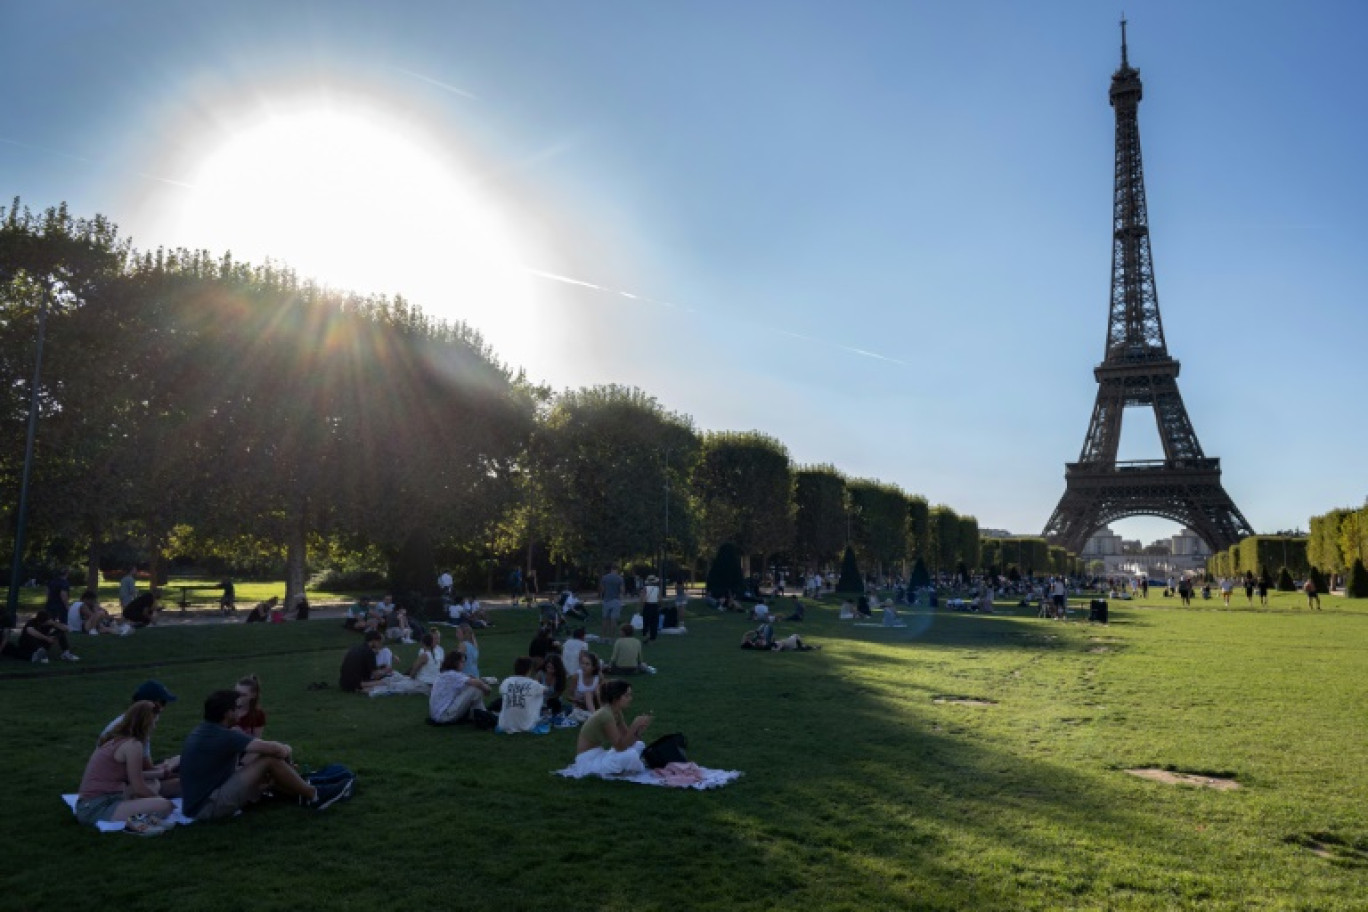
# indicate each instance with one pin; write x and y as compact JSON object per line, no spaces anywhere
{"x":1185,"y":486}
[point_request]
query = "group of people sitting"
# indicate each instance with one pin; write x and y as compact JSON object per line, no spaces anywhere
{"x":224,"y":765}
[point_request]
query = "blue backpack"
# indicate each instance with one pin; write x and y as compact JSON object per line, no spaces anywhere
{"x":331,"y":774}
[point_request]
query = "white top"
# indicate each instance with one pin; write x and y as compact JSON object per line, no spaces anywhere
{"x":384,"y":658}
{"x":570,"y":652}
{"x":522,"y":703}
{"x":445,"y":690}
{"x":73,"y":618}
{"x":432,"y":667}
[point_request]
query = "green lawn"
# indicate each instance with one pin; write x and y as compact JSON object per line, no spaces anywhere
{"x":861,"y":790}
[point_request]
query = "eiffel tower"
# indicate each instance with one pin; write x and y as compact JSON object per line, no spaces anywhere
{"x":1185,"y":486}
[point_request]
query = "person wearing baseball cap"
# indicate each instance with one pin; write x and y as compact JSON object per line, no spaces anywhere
{"x":165,"y":775}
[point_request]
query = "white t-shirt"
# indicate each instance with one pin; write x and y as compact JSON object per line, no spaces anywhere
{"x":74,"y":617}
{"x":522,"y":703}
{"x":445,"y":690}
{"x":570,"y":652}
{"x":384,"y":658}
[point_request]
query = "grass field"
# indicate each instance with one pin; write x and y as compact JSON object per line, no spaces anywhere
{"x":863,"y":789}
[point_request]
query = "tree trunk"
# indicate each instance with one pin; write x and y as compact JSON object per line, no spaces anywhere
{"x":93,"y":563}
{"x":296,"y":564}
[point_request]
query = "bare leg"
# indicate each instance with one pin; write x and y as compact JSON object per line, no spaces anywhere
{"x":158,"y":806}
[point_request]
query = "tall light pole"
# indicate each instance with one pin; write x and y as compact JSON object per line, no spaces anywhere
{"x":17,"y":565}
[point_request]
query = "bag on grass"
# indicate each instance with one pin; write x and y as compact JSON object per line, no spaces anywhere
{"x":665,"y":750}
{"x":331,"y":774}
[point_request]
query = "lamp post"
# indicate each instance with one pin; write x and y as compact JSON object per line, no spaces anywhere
{"x":17,"y":565}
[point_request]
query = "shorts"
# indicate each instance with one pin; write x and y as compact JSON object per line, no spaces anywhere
{"x":90,"y":811}
{"x":612,"y":610}
{"x":229,"y":798}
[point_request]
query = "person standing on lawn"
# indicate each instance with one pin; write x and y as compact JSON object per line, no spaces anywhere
{"x":128,"y":587}
{"x":58,"y":597}
{"x":650,"y":608}
{"x":610,"y":591}
{"x":214,"y":786}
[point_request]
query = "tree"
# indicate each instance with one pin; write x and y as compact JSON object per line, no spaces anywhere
{"x":602,"y":472}
{"x":969,"y":547}
{"x":725,"y":576}
{"x":879,"y":522}
{"x":744,"y":486}
{"x":944,"y":538}
{"x":1356,"y":586}
{"x":920,"y":577}
{"x":851,"y":582}
{"x":1285,"y":583}
{"x":918,"y":528}
{"x":820,"y":521}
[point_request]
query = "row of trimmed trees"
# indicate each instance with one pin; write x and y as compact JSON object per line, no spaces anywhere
{"x":193,"y":402}
{"x":1337,"y":547}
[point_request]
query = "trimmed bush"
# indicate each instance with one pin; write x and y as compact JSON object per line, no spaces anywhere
{"x":725,"y":576}
{"x":920,"y":576}
{"x":851,"y":583}
{"x":1285,"y":581}
{"x":1357,"y":584}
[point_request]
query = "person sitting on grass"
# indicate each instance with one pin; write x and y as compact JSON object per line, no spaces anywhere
{"x":628,"y":657}
{"x":428,"y":663}
{"x":360,"y":617}
{"x":39,"y":636}
{"x":455,"y":694}
{"x":399,"y":628}
{"x":142,"y":611}
{"x":797,"y":613}
{"x":543,"y":642}
{"x":520,"y":699}
{"x":215,"y":787}
{"x":553,"y":678}
{"x":251,"y":717}
{"x":588,"y":682}
{"x":570,"y":652}
{"x":847,"y":611}
{"x":359,"y":673}
{"x":86,"y":616}
{"x":470,"y":646}
{"x":261,"y":611}
{"x":863,"y":607}
{"x":114,"y":786}
{"x":608,"y":745}
{"x":165,"y":774}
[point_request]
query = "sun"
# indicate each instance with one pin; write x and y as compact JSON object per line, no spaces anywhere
{"x":361,"y":201}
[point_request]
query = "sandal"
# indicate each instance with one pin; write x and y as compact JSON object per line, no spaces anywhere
{"x":144,"y":825}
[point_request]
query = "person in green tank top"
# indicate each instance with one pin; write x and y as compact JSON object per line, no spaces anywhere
{"x":608,"y":728}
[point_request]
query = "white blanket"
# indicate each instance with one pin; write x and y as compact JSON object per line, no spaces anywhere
{"x":175,"y":818}
{"x":712,"y":778}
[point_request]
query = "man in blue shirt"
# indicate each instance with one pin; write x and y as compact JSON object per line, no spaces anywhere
{"x":213,"y":786}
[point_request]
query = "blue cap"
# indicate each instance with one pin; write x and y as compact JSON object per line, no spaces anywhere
{"x":155,"y":691}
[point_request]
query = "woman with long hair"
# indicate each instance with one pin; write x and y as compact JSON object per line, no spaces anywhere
{"x":251,"y":717}
{"x":113,"y":787}
{"x":608,"y":744}
{"x":588,"y":683}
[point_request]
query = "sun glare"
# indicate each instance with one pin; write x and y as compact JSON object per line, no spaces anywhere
{"x":358,"y":203}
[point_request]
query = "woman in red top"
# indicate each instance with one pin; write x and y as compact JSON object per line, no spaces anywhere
{"x":251,"y":719}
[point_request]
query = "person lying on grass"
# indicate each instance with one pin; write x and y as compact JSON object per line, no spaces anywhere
{"x":628,"y":657}
{"x":455,"y":695}
{"x":359,"y":668}
{"x":166,"y":773}
{"x":214,"y":786}
{"x":113,"y":786}
{"x":608,"y":745}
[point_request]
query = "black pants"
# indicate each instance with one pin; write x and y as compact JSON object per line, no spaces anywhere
{"x":671,"y":616}
{"x":650,"y":620}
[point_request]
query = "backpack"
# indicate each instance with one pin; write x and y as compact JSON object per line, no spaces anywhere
{"x":331,"y":774}
{"x":665,"y":750}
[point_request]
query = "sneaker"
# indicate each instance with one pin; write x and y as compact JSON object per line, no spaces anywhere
{"x":70,"y":657}
{"x":93,"y":633}
{"x":650,"y":669}
{"x":325,"y":795}
{"x":39,"y":657}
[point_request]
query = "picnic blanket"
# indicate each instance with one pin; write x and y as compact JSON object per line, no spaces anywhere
{"x":669,"y":778}
{"x":175,"y":818}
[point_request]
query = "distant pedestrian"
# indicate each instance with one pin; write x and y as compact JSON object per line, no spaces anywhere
{"x":128,"y":587}
{"x":1312,"y":596}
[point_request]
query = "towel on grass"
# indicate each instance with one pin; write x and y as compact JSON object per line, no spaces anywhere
{"x":175,"y":818}
{"x":679,"y":777}
{"x":881,"y":624}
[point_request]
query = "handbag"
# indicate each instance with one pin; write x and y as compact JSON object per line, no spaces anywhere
{"x":665,"y":750}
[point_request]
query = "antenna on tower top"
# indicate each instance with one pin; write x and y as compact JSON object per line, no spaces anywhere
{"x":1124,"y":62}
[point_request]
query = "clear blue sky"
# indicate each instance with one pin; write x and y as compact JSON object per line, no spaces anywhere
{"x":876,"y":231}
